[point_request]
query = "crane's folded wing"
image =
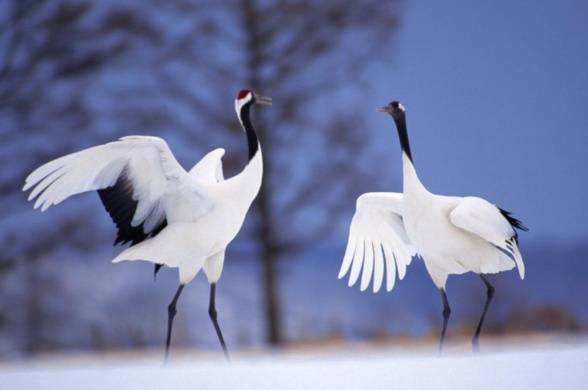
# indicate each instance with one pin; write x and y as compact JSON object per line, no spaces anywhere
{"x":490,"y":223}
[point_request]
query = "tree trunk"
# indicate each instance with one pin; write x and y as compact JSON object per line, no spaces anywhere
{"x":265,"y":222}
{"x":269,"y":274}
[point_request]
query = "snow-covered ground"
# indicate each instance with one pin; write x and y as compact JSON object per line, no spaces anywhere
{"x":538,"y":366}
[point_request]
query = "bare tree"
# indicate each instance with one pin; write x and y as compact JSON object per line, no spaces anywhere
{"x":83,"y":72}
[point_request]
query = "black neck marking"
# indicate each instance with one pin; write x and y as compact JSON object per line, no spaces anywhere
{"x":400,"y":120}
{"x":252,"y":141}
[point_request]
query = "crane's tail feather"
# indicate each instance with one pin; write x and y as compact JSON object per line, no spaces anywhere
{"x":513,"y":247}
{"x":168,"y":248}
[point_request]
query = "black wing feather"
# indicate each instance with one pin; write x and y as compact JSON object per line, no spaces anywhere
{"x":118,"y":201}
{"x":515,"y":223}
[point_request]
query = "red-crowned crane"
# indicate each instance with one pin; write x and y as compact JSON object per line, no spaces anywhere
{"x":453,"y":235}
{"x":171,"y":217}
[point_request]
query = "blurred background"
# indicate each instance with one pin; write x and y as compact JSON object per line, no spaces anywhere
{"x":496,"y":97}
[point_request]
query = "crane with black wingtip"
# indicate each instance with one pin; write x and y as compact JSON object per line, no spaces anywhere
{"x":172,"y":217}
{"x":453,"y":235}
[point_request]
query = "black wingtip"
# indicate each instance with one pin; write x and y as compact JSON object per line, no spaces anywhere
{"x":119,"y":203}
{"x":515,"y":223}
{"x":156,"y":270}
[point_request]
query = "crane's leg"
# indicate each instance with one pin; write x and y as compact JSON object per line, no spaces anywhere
{"x":446,"y":313}
{"x":489,"y":295}
{"x":213,"y":317}
{"x":171,"y":313}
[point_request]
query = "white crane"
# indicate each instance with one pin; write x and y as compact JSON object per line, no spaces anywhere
{"x":453,"y":235}
{"x":171,"y":217}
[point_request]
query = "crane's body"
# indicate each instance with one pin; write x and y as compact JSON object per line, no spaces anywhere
{"x":172,"y":217}
{"x":446,"y":248}
{"x":453,"y":235}
{"x":193,"y":239}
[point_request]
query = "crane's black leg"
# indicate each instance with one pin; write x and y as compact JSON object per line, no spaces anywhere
{"x":446,"y":313}
{"x":489,"y":295}
{"x":171,"y":313}
{"x":213,"y":318}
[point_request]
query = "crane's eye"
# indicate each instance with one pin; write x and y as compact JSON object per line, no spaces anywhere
{"x":395,"y":104}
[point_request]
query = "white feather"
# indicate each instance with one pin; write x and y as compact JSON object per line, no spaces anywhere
{"x":377,"y":226}
{"x":368,"y":265}
{"x":482,"y":218}
{"x":390,"y":267}
{"x":148,"y":163}
{"x":485,"y":220}
{"x":378,"y":267}
{"x":347,"y":258}
{"x":210,"y":167}
{"x":357,"y":261}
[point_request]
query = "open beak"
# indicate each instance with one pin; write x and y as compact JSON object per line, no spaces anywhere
{"x":265,"y":100}
{"x":383,"y":109}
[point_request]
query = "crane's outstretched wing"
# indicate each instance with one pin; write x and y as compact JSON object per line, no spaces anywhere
{"x":131,"y":175}
{"x":377,"y":237}
{"x":210,"y":168}
{"x":492,"y":224}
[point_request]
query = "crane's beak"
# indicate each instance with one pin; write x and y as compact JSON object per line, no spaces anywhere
{"x":383,"y":109}
{"x":265,"y":100}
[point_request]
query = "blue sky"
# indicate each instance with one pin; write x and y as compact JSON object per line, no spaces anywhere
{"x":496,"y":94}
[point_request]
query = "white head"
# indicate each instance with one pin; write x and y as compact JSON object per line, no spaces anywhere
{"x":245,"y":97}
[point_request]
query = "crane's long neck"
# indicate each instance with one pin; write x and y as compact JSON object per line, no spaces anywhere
{"x":249,"y":180}
{"x":400,"y":122}
{"x":252,"y":141}
{"x":411,"y":182}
